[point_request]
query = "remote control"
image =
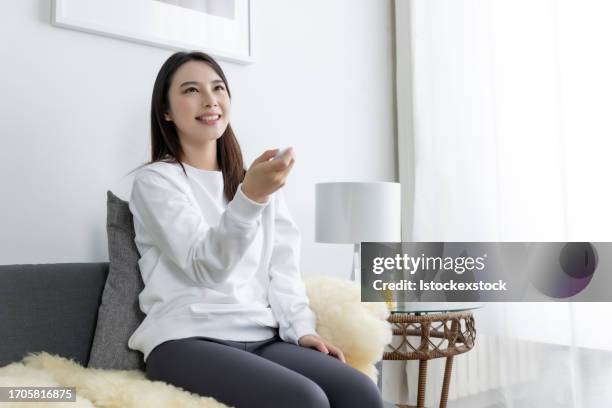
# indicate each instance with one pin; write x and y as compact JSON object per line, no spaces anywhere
{"x":281,"y":153}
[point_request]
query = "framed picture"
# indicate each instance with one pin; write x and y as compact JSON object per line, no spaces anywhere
{"x":221,"y":28}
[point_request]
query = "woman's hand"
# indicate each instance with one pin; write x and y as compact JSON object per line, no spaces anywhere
{"x":324,"y":346}
{"x":265,"y":176}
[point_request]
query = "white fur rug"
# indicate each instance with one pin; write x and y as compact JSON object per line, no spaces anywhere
{"x":96,"y":387}
{"x":359,"y":329}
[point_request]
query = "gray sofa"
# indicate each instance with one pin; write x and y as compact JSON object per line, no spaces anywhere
{"x":52,"y":308}
{"x":49,"y":307}
{"x":86,"y":311}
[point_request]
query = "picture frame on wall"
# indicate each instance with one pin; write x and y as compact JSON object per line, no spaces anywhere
{"x":221,"y":28}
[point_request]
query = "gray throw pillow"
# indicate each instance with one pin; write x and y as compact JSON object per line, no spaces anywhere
{"x":119,"y":313}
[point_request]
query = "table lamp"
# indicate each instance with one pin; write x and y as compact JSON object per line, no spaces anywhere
{"x":355,"y":212}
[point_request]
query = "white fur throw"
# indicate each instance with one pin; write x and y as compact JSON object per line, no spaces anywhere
{"x":97,"y":387}
{"x":359,"y":329}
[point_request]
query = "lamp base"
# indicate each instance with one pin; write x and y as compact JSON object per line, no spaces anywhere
{"x":356,"y":271}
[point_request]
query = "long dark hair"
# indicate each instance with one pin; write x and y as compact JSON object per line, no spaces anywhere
{"x":165,"y":143}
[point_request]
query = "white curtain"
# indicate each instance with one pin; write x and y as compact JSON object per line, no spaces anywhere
{"x":504,"y":135}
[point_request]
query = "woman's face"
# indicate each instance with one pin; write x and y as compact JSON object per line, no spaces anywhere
{"x":199,"y":103}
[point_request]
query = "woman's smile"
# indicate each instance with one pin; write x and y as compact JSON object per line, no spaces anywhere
{"x":209,"y":119}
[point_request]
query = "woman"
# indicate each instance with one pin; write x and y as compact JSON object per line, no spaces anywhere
{"x":227,"y":313}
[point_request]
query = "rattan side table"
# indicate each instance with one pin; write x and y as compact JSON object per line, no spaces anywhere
{"x":433,"y":329}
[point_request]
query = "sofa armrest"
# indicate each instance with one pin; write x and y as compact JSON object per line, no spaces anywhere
{"x":359,"y":329}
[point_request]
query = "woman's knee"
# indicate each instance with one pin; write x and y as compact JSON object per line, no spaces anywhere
{"x":307,"y":394}
{"x":370,"y":393}
{"x":357,"y":390}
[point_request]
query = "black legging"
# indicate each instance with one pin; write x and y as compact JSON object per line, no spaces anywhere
{"x":261,"y":374}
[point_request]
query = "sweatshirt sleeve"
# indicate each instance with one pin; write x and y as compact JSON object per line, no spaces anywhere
{"x":287,"y":294}
{"x":205,"y":253}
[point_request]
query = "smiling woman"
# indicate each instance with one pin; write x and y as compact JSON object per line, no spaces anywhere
{"x":196,"y":103}
{"x":189,"y":86}
{"x":223,"y":295}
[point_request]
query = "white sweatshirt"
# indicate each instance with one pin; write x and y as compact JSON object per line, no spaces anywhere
{"x":213,"y":268}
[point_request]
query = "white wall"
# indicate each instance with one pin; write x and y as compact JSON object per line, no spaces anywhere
{"x":74,"y":114}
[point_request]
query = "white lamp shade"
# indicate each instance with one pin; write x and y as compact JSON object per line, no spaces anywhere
{"x":354,"y":212}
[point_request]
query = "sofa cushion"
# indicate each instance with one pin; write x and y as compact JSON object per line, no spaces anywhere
{"x":119,"y":313}
{"x":49,"y":307}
